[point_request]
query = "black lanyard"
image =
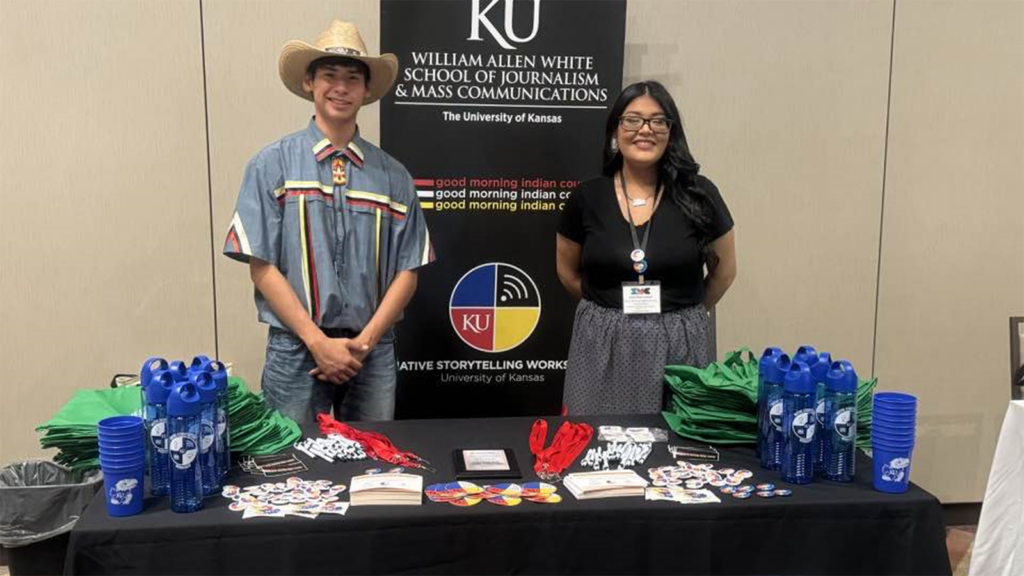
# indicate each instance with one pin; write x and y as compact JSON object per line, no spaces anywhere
{"x":638,"y":244}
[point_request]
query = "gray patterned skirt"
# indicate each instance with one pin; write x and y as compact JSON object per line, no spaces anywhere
{"x":617,"y":361}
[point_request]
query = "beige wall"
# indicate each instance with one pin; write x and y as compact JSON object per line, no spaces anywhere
{"x":953,"y":239}
{"x":104,"y":206}
{"x":785,"y":105}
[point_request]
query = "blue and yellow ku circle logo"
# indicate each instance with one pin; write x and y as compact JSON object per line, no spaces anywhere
{"x":494,"y":307}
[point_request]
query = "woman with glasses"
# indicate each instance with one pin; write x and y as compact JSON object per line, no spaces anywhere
{"x":648,"y":248}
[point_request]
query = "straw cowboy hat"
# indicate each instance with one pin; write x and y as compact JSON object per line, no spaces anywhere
{"x":339,"y":39}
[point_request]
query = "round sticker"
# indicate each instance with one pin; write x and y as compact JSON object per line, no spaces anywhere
{"x":532,"y":489}
{"x":546,"y":499}
{"x":504,"y":489}
{"x":505,"y":500}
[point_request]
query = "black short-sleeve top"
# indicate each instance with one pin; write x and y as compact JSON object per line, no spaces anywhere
{"x":592,"y":218}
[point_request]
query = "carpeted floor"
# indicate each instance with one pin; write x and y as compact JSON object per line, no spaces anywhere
{"x":959,"y":543}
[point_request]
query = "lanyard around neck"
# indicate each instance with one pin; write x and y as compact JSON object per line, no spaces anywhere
{"x":638,"y":244}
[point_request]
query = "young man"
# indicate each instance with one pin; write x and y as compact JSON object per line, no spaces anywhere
{"x":333,"y":234}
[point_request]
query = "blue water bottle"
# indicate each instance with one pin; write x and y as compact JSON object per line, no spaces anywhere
{"x":771,"y":450}
{"x":161,"y":383}
{"x":840,"y":445}
{"x":770,"y":354}
{"x":220,"y":378}
{"x":208,"y":432}
{"x":151,"y":365}
{"x":799,"y":423}
{"x":184,"y":415}
{"x":806,"y":354}
{"x":179,"y":370}
{"x":197,"y":364}
{"x":818,"y":371}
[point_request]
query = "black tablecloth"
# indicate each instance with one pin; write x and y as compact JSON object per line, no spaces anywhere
{"x":823,"y":528}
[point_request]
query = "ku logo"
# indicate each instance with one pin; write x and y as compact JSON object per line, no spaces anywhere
{"x":494,"y":307}
{"x":121,"y":493}
{"x":804,"y":423}
{"x":476,"y":323}
{"x":895,"y":470}
{"x":480,"y":18}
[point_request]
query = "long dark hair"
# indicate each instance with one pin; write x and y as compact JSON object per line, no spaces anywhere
{"x":677,"y":170}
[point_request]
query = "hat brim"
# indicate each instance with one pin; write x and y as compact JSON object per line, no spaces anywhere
{"x":296,"y":56}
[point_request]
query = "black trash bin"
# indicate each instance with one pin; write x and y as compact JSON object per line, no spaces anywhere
{"x":40,"y":501}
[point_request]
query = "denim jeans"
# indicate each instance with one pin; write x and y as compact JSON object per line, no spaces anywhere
{"x":288,"y":387}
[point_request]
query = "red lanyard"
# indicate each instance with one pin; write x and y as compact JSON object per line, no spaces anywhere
{"x":569,"y":441}
{"x":377,"y":446}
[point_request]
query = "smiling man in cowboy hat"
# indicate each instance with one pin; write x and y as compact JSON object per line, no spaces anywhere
{"x":333,"y":234}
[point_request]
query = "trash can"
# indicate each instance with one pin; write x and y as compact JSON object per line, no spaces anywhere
{"x":40,"y":501}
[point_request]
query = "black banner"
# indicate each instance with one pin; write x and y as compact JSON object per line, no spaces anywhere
{"x":498,"y":112}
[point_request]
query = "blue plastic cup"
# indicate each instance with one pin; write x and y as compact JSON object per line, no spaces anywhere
{"x":122,"y":452}
{"x":121,"y":435}
{"x":883,"y":444}
{"x":895,"y":398}
{"x":124,"y":462}
{"x":892,"y":442}
{"x":891,"y":437}
{"x":117,"y":423}
{"x":892,"y":469}
{"x":893,"y":412}
{"x":894,"y":423}
{"x":893,"y":420}
{"x":120,"y":457}
{"x":123,"y":490}
{"x":897,"y":427}
{"x":117,"y":445}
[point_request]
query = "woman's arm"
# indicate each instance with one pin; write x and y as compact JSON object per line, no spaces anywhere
{"x":718,"y":280}
{"x":567,"y":265}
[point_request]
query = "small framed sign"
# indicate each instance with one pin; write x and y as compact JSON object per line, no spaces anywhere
{"x":485,"y":463}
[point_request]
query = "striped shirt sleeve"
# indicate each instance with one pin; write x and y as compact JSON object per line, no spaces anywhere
{"x":255,"y":229}
{"x":413,"y":246}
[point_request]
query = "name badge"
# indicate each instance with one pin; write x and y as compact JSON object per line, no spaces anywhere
{"x":641,"y":298}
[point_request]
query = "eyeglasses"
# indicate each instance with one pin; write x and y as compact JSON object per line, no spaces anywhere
{"x":658,"y":124}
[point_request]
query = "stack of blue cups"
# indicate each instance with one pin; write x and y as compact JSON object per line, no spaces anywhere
{"x":123,"y":461}
{"x":893,"y":421}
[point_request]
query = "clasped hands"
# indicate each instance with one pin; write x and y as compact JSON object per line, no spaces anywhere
{"x":338,"y":360}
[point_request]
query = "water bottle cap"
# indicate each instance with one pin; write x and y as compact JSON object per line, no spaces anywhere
{"x":220,"y":373}
{"x":204,"y":382}
{"x":767,"y":356}
{"x":184,"y":400}
{"x":776,"y":368}
{"x":146,"y":373}
{"x":161,"y":385}
{"x":841,"y":377}
{"x":806,"y":354}
{"x":197,"y":363}
{"x":820,"y":368}
{"x":799,"y":379}
{"x":179,"y":371}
